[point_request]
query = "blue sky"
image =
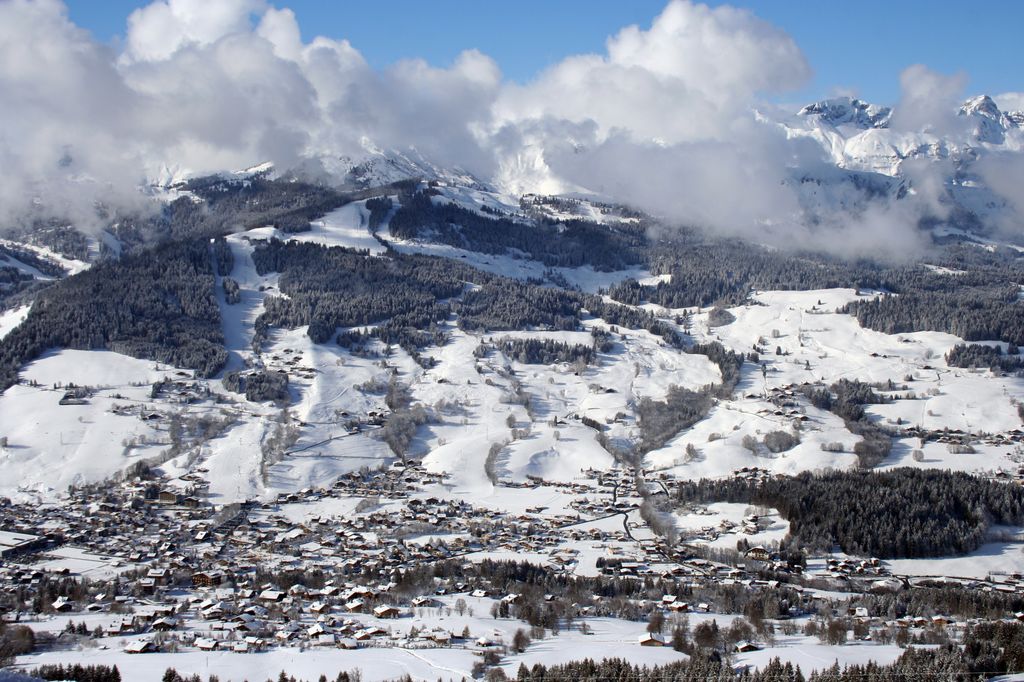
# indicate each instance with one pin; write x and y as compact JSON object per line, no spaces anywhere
{"x":859,"y":47}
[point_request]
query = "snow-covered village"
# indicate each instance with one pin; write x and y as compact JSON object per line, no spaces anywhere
{"x":658,"y":341}
{"x":381,"y":561}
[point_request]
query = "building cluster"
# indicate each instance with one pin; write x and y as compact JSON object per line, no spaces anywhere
{"x":167,"y":570}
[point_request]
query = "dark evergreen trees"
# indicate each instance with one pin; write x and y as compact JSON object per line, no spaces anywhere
{"x":258,"y":385}
{"x":977,"y":355}
{"x":157,"y":305}
{"x":545,"y":351}
{"x":567,"y":244}
{"x":78,"y":673}
{"x":903,"y":513}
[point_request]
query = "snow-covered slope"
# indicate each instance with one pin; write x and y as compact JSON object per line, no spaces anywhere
{"x":479,"y":401}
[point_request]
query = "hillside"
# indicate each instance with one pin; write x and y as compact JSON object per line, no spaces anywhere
{"x":369,"y":394}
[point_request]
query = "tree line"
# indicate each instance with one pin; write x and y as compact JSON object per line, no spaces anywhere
{"x":259,"y":385}
{"x":155,"y":305}
{"x":989,"y":649}
{"x":332,"y":287}
{"x":846,"y":399}
{"x":662,"y":420}
{"x":975,"y":355}
{"x":570,"y":243}
{"x":77,"y":672}
{"x":972,"y":313}
{"x":545,"y":351}
{"x":902,"y":513}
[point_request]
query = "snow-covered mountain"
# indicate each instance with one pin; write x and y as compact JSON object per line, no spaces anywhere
{"x":988,"y":123}
{"x":849,"y":156}
{"x":374,"y":166}
{"x":868,"y":155}
{"x":849,"y":111}
{"x":859,"y":135}
{"x":863,"y":138}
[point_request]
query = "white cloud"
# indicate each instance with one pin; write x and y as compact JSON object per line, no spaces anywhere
{"x":1010,"y":101}
{"x":161,"y":28}
{"x":686,"y":78}
{"x":207,"y":86}
{"x":664,"y":120}
{"x":280,"y":28}
{"x":929,"y":101}
{"x":68,"y":115}
{"x":1004,"y":175}
{"x":732,"y":186}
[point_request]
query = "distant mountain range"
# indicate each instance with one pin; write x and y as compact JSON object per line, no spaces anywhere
{"x":863,"y":155}
{"x":848,"y":155}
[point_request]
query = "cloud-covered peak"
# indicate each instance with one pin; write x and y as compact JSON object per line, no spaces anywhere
{"x":664,"y":118}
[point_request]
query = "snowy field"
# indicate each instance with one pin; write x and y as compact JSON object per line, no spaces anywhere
{"x":994,"y":558}
{"x":815,"y":344}
{"x":9,"y":319}
{"x":70,"y":265}
{"x":347,"y":226}
{"x":478,"y":402}
{"x":727,"y":519}
{"x":50,"y":446}
{"x":603,"y":638}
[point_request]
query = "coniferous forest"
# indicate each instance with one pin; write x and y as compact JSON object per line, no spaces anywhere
{"x":902,"y":513}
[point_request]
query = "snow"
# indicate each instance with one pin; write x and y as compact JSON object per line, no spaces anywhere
{"x":533,"y":413}
{"x":957,"y":398}
{"x":940,"y":270}
{"x":637,"y":365}
{"x":71,"y":266}
{"x":715,"y":514}
{"x":990,"y":558}
{"x":83,"y":563}
{"x":51,"y":446}
{"x":985,"y":460}
{"x":605,"y":638}
{"x":811,"y":656}
{"x":856,"y":137}
{"x":374,"y":663}
{"x":819,"y":345}
{"x":10,"y":319}
{"x":586,"y":278}
{"x":24,"y":268}
{"x":719,"y":443}
{"x":12,"y":676}
{"x":104,"y":369}
{"x":347,"y":226}
{"x":238,"y":319}
{"x":476,"y":198}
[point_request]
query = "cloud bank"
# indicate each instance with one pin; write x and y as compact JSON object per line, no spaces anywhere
{"x":664,"y":118}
